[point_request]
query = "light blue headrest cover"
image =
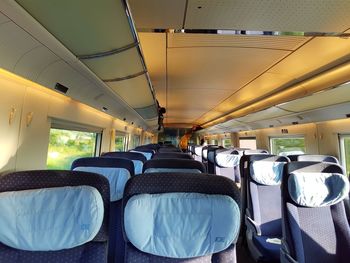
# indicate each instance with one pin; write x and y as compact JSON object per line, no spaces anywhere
{"x":138,"y":166}
{"x":181,"y":225}
{"x":146,"y":154}
{"x":317,"y":189}
{"x":227,"y":160}
{"x":267,"y":173}
{"x":117,"y":178}
{"x":198,"y":150}
{"x":51,"y":218}
{"x":171,"y":170}
{"x":205,"y":153}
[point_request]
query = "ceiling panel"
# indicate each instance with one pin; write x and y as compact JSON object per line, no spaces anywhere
{"x":158,"y":13}
{"x":116,"y":66}
{"x":313,"y":55}
{"x":84,"y":28}
{"x":217,"y":68}
{"x":154,"y":49}
{"x":126,"y":90}
{"x":3,"y":18}
{"x":213,"y":40}
{"x":267,"y":114}
{"x":269,"y":15}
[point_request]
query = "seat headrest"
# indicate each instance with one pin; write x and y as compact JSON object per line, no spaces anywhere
{"x":311,"y":189}
{"x":50,"y":219}
{"x":127,"y":155}
{"x":317,"y":158}
{"x":117,"y":170}
{"x":266,"y":172}
{"x":168,"y":165}
{"x":37,"y":179}
{"x":181,"y":225}
{"x":198,"y":194}
{"x":147,"y":154}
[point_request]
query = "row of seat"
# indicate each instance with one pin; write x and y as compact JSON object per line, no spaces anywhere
{"x":293,"y":209}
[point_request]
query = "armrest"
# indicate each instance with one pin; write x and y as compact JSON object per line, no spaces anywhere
{"x":252,"y":225}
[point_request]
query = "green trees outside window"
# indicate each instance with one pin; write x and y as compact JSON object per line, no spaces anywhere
{"x":65,"y":146}
{"x":286,"y":146}
{"x":119,"y":143}
{"x":347,"y":153}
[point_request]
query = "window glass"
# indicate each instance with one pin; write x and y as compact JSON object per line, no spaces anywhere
{"x":135,"y":141}
{"x":247,"y":142}
{"x":214,"y":142}
{"x":345,"y":152}
{"x":65,"y":146}
{"x":288,"y":145}
{"x":226,"y":142}
{"x":119,"y":143}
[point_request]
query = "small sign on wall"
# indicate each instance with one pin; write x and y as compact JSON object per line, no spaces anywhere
{"x":284,"y":131}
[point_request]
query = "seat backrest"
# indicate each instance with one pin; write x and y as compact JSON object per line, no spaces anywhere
{"x":146,"y":152}
{"x":118,"y":171}
{"x":317,"y":158}
{"x":315,"y":226}
{"x":53,"y":216}
{"x":227,"y":164}
{"x":173,"y":165}
{"x":137,"y":158}
{"x":172,"y":155}
{"x":169,"y":150}
{"x":181,"y":217}
{"x":260,"y":189}
{"x":211,"y":157}
{"x":257,"y":151}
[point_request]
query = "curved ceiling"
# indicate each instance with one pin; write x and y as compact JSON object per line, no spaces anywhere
{"x":202,"y":77}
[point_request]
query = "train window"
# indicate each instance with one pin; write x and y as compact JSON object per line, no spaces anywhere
{"x":67,"y":145}
{"x":345,"y":151}
{"x":226,"y":142}
{"x":120,"y":142}
{"x":214,"y":142}
{"x":135,"y":141}
{"x":287,"y":145}
{"x":247,"y":142}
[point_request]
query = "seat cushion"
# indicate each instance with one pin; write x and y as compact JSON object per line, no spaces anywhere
{"x":268,"y":246}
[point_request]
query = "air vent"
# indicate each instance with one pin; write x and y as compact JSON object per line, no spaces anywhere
{"x":61,"y":88}
{"x":104,"y":109}
{"x":295,"y":122}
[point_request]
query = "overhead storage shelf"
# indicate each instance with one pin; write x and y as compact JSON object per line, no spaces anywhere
{"x":101,"y":35}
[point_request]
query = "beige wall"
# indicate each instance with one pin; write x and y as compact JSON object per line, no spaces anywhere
{"x":24,"y":139}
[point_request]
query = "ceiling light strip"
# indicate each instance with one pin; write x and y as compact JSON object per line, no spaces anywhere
{"x":126,"y":77}
{"x":243,"y":32}
{"x":109,"y":53}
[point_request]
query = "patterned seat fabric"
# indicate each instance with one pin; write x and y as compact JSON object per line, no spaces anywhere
{"x":173,"y":155}
{"x":116,"y":242}
{"x":315,"y":228}
{"x":173,"y":165}
{"x":165,"y":183}
{"x":137,"y":158}
{"x":261,"y":204}
{"x":93,"y":251}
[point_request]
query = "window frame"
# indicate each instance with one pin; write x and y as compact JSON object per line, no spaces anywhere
{"x":296,"y":136}
{"x":125,"y":139}
{"x":341,"y":138}
{"x":247,"y":138}
{"x":98,"y":132}
{"x":223,"y":142}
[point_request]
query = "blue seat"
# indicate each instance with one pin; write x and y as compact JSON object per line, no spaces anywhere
{"x":212,"y":149}
{"x":262,"y":205}
{"x":315,"y":225}
{"x":168,"y":150}
{"x":181,"y":217}
{"x":148,"y":153}
{"x":137,"y":158}
{"x":53,"y":216}
{"x":316,"y":158}
{"x":173,"y":165}
{"x":118,"y":171}
{"x":227,"y":164}
{"x":172,"y":155}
